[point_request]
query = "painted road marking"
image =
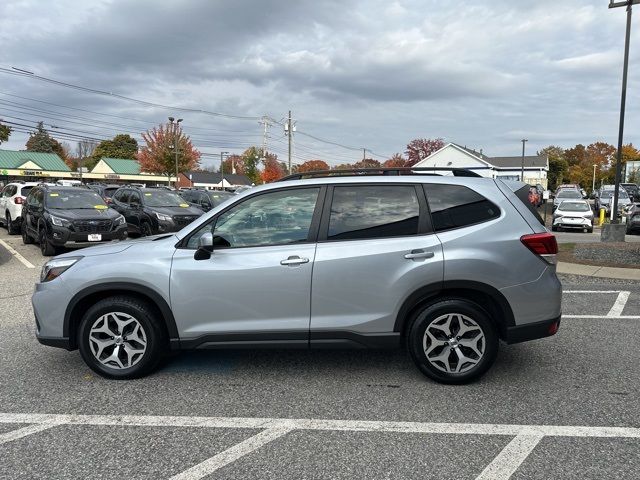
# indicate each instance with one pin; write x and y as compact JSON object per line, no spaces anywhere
{"x":592,"y":291}
{"x":23,"y":432}
{"x":526,"y":437}
{"x":618,"y":317}
{"x":510,"y":458}
{"x":619,"y":304}
{"x":19,"y":257}
{"x":231,"y":454}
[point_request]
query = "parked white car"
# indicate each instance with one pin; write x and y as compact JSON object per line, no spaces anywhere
{"x":12,"y":197}
{"x":574,"y":214}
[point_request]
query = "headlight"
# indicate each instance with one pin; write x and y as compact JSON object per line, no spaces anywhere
{"x":163,"y":217}
{"x":60,"y":222}
{"x":120,"y":221}
{"x":56,"y":267}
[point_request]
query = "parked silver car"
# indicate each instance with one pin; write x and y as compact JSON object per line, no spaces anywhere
{"x":446,"y":265}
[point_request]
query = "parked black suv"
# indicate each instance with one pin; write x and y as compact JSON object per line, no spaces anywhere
{"x":205,"y":199}
{"x":149,"y":211}
{"x":69,"y":217}
{"x":106,"y":191}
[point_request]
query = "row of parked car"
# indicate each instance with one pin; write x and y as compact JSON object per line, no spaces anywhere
{"x":56,"y":216}
{"x":571,"y":210}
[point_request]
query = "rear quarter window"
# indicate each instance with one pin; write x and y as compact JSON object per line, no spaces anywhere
{"x":523,"y":196}
{"x":456,"y":206}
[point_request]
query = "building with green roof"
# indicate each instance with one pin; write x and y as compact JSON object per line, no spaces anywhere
{"x":31,"y":165}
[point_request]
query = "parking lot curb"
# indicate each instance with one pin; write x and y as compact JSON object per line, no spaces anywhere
{"x":596,"y":271}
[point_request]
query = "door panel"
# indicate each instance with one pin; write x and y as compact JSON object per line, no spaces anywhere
{"x":242,"y":290}
{"x":360,"y":285}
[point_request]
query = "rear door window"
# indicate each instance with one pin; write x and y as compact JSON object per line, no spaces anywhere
{"x":523,"y":196}
{"x":373,"y":211}
{"x":456,"y":206}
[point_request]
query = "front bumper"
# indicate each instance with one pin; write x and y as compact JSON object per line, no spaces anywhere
{"x":573,"y":222}
{"x":49,"y":302}
{"x":63,"y":237}
{"x":532,"y":331}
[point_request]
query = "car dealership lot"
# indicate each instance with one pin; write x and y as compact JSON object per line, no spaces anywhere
{"x":567,"y":406}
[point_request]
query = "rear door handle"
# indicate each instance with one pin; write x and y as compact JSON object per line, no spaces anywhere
{"x":294,"y":260}
{"x":418,"y":255}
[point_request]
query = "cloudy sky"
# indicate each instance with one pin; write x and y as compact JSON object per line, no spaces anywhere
{"x":370,"y":73}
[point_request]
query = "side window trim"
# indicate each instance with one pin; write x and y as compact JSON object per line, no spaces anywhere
{"x":312,"y":237}
{"x":424,"y":219}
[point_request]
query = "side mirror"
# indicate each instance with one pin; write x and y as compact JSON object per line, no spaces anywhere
{"x":207,"y":243}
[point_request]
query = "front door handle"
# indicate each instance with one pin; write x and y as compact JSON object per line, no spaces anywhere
{"x":294,"y":260}
{"x":418,"y":255}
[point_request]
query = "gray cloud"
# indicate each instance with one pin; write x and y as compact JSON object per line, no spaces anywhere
{"x":368,"y":73}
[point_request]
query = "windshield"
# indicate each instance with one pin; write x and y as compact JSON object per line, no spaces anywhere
{"x":75,"y":199}
{"x":162,"y":198}
{"x":574,"y":207}
{"x":218,"y":197}
{"x":609,"y":194}
{"x":569,"y":194}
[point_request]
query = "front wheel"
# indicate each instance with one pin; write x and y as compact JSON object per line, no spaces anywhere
{"x":453,"y":341}
{"x":121,"y":338}
{"x":45,"y":246}
{"x":145,"y":229}
{"x":26,"y":239}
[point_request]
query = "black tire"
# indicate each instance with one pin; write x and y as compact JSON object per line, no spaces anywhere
{"x":46,"y":248}
{"x":554,"y":228}
{"x":26,"y":238}
{"x":157,"y":343}
{"x":145,"y":229}
{"x":12,"y":227}
{"x":425,"y":317}
{"x":590,"y":230}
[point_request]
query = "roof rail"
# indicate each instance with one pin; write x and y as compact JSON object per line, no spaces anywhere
{"x":457,"y":172}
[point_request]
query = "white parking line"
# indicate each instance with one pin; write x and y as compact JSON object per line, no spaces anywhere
{"x":617,"y":317}
{"x":23,"y":432}
{"x":619,"y":304}
{"x":231,"y":454}
{"x":502,"y":466}
{"x":591,"y":291}
{"x":19,"y":257}
{"x":510,"y":458}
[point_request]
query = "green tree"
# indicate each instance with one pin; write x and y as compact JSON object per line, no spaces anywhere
{"x":5,"y":131}
{"x":251,"y":159}
{"x":121,"y":146}
{"x":558,"y":166}
{"x":41,"y":141}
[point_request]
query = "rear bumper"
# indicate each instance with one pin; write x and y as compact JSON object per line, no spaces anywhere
{"x":532,"y":331}
{"x":62,"y":342}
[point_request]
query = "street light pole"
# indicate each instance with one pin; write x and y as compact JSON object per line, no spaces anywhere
{"x":175,"y":144}
{"x":522,"y":172}
{"x":222,"y":168}
{"x":625,"y":68}
{"x":593,"y":187}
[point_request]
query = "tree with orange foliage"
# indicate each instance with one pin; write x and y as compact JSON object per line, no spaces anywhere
{"x":158,"y":156}
{"x":420,"y":148}
{"x":312,"y":166}
{"x":234,"y":162}
{"x":272,"y":169}
{"x":395,"y":161}
{"x":367,"y":163}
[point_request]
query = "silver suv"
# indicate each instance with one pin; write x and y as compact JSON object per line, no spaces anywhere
{"x":445,"y":265}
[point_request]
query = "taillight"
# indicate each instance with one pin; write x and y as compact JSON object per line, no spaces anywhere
{"x":18,"y":200}
{"x":543,"y":245}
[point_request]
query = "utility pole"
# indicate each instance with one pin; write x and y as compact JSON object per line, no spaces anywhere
{"x":265,"y":124}
{"x":625,"y":69}
{"x":290,"y":134}
{"x":175,"y":144}
{"x":524,"y":140}
{"x":364,"y":154}
{"x":593,"y":186}
{"x":222,"y":168}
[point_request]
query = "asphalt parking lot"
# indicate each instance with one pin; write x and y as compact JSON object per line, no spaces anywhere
{"x":563,"y":407}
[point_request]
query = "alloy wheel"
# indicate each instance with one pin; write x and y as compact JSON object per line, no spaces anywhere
{"x":454,"y":343}
{"x":117,"y":340}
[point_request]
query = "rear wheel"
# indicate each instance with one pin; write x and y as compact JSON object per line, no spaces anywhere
{"x":12,"y":227}
{"x":121,"y":338}
{"x":453,"y":341}
{"x":554,"y":228}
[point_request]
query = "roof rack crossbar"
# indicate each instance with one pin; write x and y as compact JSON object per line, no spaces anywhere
{"x":457,"y":172}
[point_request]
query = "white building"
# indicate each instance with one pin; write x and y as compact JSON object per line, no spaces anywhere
{"x":455,"y":156}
